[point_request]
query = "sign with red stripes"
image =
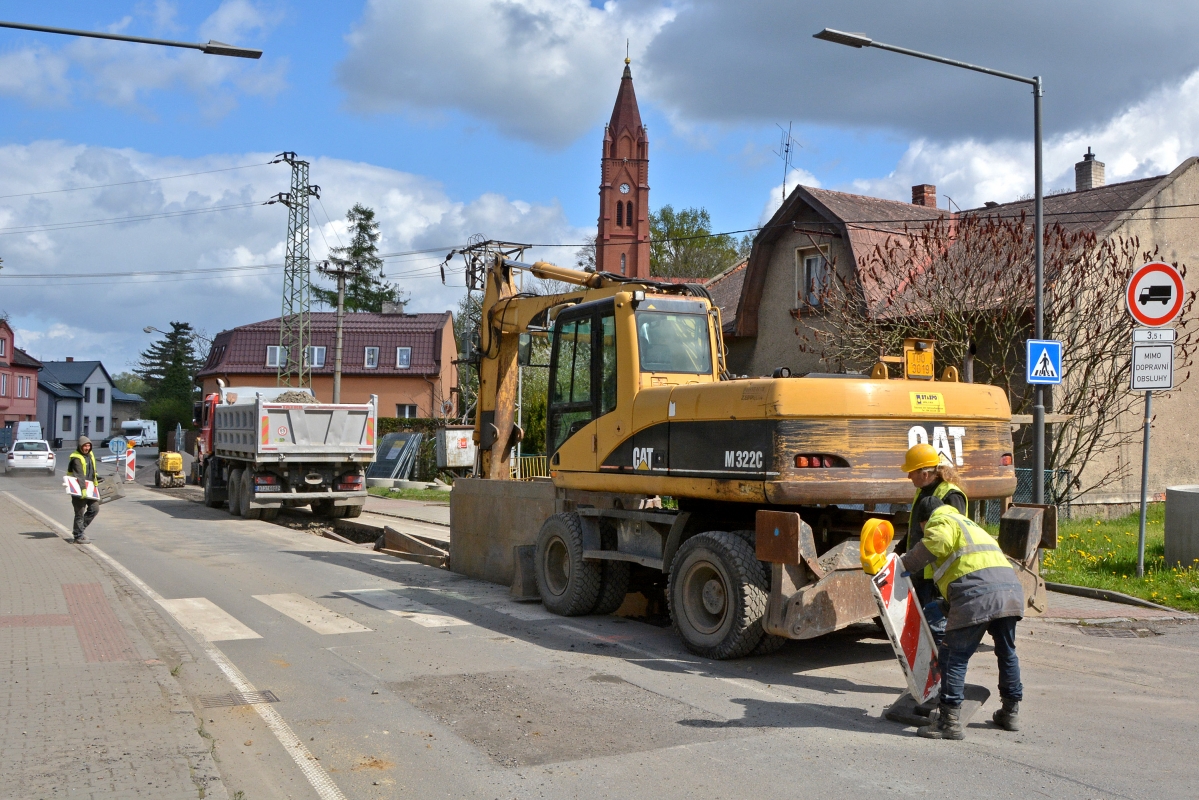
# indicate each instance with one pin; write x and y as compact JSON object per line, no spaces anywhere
{"x":907,"y":629}
{"x":130,"y":464}
{"x":85,"y":489}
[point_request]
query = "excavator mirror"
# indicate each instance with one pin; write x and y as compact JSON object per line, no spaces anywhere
{"x":524,"y":349}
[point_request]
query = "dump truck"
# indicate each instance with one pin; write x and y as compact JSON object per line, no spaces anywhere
{"x":263,"y":449}
{"x":740,"y":500}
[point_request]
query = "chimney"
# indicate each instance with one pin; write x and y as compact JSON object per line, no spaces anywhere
{"x":70,"y":358}
{"x":924,"y":194}
{"x":392,"y":308}
{"x":1088,"y":173}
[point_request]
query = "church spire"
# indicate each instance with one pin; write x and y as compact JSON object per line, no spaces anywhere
{"x":622,"y":237}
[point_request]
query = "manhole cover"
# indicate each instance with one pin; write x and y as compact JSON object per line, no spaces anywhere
{"x":1114,"y":633}
{"x":237,"y":699}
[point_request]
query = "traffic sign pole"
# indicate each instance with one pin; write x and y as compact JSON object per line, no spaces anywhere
{"x":1144,"y":485}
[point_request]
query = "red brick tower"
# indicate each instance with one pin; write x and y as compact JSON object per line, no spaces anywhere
{"x":622,"y":239}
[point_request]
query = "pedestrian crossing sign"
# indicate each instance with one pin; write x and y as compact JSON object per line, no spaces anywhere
{"x":1044,"y":362}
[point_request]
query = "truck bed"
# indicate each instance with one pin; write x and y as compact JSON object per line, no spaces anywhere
{"x":273,"y":432}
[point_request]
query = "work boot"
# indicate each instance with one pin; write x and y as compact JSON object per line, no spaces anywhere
{"x":81,"y":540}
{"x":948,"y":725}
{"x":1008,"y":717}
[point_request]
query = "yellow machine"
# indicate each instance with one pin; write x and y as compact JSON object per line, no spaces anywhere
{"x":168,"y":473}
{"x":641,"y":408}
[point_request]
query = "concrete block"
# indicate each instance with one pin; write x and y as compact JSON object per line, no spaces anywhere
{"x":488,"y":518}
{"x":1182,"y":525}
{"x":524,"y":579}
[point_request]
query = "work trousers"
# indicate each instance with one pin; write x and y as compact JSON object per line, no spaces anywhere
{"x":959,"y":645}
{"x":85,"y":512}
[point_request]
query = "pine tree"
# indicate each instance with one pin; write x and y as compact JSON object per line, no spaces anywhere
{"x":369,"y":289}
{"x":177,"y":347}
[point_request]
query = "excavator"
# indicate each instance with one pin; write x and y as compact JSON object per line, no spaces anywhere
{"x":739,"y":500}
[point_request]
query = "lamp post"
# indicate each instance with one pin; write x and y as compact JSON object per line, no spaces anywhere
{"x":210,"y":47}
{"x":859,"y":40}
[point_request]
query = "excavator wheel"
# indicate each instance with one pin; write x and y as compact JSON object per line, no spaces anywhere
{"x":614,"y":585}
{"x":717,"y":595}
{"x":770,"y":643}
{"x":569,"y":586}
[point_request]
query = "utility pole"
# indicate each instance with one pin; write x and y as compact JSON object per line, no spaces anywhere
{"x":295,"y":323}
{"x":341,"y":272}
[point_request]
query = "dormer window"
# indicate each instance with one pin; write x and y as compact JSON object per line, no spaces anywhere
{"x":3,"y":347}
{"x":370,"y":359}
{"x":403,"y":357}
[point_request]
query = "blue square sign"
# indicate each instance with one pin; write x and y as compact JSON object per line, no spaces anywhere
{"x":1044,"y":361}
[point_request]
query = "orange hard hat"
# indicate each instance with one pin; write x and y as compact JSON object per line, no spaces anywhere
{"x":920,"y":456}
{"x":876,"y":538}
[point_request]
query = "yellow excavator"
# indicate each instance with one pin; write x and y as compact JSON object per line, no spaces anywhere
{"x":667,"y":473}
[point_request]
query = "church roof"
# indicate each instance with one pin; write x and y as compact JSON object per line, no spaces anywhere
{"x":625,"y":113}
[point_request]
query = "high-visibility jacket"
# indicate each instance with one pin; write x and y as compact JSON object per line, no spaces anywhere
{"x":940,"y":491}
{"x":85,"y":461}
{"x":960,"y":547}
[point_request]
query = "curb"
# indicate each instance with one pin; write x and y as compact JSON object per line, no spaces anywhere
{"x":1108,"y":595}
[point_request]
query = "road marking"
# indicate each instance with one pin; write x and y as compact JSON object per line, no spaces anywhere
{"x":497,"y":600}
{"x":311,"y":614}
{"x":320,"y":781}
{"x":206,"y":620}
{"x":393,"y":603}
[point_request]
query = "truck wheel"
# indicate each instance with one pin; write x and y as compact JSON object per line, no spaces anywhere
{"x":234,"y":492}
{"x":322,"y":508}
{"x":210,"y":493}
{"x":353,"y":511}
{"x":717,"y":595}
{"x":269,"y":514}
{"x":569,"y":586}
{"x":247,"y":488}
{"x":614,"y":585}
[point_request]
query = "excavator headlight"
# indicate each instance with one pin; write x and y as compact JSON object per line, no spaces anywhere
{"x":638,"y":297}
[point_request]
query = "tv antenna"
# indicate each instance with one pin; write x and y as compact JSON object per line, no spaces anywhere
{"x":786,"y":151}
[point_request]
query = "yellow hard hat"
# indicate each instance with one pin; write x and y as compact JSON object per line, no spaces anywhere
{"x":876,"y":538}
{"x":920,"y":456}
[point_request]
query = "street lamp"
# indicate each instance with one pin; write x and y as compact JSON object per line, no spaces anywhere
{"x":195,"y":334}
{"x":860,"y":40}
{"x":210,"y":47}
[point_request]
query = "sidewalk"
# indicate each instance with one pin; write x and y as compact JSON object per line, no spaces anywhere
{"x":1071,"y":607}
{"x":433,"y":513}
{"x":90,"y":710}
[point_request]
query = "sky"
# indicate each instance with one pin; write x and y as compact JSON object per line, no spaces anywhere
{"x":133,"y":178}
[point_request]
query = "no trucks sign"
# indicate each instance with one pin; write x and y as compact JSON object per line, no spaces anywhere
{"x":1155,"y":294}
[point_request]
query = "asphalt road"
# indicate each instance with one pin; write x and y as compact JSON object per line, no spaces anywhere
{"x":399,"y":680}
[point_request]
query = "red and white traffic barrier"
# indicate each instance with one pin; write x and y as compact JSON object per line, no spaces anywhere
{"x":907,"y":629}
{"x":130,"y":464}
{"x":87,"y":490}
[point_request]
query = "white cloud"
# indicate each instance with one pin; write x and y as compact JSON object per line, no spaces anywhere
{"x":124,"y":74}
{"x":539,"y":70}
{"x":795,"y":177}
{"x":95,"y":317}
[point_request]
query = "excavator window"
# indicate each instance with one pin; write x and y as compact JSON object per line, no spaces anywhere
{"x":674,"y":342}
{"x":583,"y":370}
{"x":608,"y":368}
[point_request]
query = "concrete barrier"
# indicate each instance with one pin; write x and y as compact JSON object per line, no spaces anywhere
{"x":489,"y":517}
{"x":1182,"y":525}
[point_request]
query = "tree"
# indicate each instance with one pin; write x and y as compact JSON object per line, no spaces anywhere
{"x":129,"y":383}
{"x":682,"y":244}
{"x":466,"y":328}
{"x":368,"y":289}
{"x":172,"y":399}
{"x":969,"y":283}
{"x":178,"y":346}
{"x":585,"y":255}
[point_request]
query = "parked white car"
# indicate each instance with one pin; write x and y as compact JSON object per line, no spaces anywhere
{"x":30,"y":454}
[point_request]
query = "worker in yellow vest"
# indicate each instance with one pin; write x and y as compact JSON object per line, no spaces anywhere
{"x":933,"y":476}
{"x":82,"y":465}
{"x":984,"y":596}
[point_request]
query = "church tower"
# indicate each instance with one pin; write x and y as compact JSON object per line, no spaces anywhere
{"x":622,"y":238}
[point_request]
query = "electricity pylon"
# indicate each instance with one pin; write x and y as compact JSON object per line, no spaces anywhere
{"x":295,"y":324}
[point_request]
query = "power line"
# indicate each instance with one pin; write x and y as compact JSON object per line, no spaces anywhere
{"x":92,"y":223}
{"x":130,"y":183}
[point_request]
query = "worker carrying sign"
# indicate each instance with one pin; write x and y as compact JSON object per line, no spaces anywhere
{"x":984,"y":596}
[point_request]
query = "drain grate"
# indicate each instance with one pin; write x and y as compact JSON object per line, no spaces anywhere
{"x":237,"y":699}
{"x":1114,"y":633}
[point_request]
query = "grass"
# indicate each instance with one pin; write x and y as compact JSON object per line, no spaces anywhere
{"x":1103,"y":554}
{"x":424,"y":495}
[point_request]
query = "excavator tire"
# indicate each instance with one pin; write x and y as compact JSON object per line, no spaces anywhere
{"x":770,"y":643}
{"x":614,"y":585}
{"x":569,"y":586}
{"x":235,"y":492}
{"x":717,"y":595}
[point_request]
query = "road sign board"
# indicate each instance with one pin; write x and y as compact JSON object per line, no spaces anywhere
{"x":117,"y":445}
{"x":1044,"y":362}
{"x":1155,"y":294}
{"x":1153,"y":335}
{"x":1152,"y":367}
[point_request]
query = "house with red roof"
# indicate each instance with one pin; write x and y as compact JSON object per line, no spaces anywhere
{"x":405,"y":359}
{"x":18,"y":381}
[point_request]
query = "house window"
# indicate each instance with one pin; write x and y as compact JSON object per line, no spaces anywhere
{"x":815,"y":277}
{"x":315,"y":356}
{"x":3,"y":384}
{"x":3,"y":344}
{"x":66,"y":423}
{"x":371,"y":359}
{"x":87,"y":395}
{"x":99,"y":398}
{"x":405,"y":412}
{"x":276,"y":356}
{"x":86,"y":425}
{"x":99,"y":424}
{"x":403,"y":357}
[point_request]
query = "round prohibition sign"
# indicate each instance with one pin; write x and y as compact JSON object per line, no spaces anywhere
{"x":1155,"y":294}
